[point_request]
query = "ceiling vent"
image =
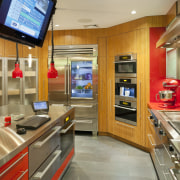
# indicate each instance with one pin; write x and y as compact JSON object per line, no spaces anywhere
{"x":90,"y":26}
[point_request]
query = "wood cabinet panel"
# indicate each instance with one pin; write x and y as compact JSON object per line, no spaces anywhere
{"x":43,"y":69}
{"x":1,"y":47}
{"x":10,"y":49}
{"x":28,"y":50}
{"x":171,"y":14}
{"x":102,"y":86}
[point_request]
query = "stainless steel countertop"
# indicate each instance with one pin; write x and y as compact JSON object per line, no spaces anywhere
{"x":12,"y":143}
{"x":170,"y":131}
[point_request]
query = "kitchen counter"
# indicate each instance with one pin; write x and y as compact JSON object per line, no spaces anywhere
{"x":156,"y":105}
{"x":12,"y":143}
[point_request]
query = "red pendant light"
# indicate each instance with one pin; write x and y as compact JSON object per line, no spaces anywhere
{"x":17,"y":73}
{"x":52,"y":72}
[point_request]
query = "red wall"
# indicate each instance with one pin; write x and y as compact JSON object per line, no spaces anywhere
{"x":157,"y":63}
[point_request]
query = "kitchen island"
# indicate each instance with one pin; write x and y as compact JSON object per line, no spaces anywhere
{"x":12,"y":143}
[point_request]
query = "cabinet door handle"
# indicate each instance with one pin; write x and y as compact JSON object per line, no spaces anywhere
{"x":39,"y":144}
{"x":110,"y":95}
{"x":139,"y":99}
{"x":23,"y":155}
{"x":149,"y":135}
{"x":39,"y":175}
{"x":63,"y":131}
{"x":23,"y":173}
{"x":65,"y":90}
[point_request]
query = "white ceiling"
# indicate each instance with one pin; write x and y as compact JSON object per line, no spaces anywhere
{"x":75,"y":14}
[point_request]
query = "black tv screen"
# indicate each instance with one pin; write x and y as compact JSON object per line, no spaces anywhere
{"x":25,"y":21}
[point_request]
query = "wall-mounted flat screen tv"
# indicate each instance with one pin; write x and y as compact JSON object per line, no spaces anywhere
{"x":25,"y":21}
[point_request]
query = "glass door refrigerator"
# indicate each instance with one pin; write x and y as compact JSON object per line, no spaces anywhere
{"x":77,"y":86}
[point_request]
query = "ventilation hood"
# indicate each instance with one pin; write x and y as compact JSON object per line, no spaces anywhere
{"x":171,"y":38}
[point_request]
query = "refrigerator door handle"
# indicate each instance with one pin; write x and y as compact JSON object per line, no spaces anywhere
{"x":68,"y":77}
{"x":65,"y":91}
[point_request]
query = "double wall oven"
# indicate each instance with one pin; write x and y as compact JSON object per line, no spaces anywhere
{"x":125,"y":88}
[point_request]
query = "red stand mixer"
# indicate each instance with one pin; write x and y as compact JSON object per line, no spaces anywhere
{"x":168,"y":97}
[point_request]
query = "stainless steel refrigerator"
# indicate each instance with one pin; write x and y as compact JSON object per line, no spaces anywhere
{"x":77,"y":83}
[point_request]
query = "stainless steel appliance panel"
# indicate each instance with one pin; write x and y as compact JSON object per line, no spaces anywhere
{"x":79,"y":82}
{"x":58,"y":87}
{"x":49,"y":167}
{"x":67,"y":137}
{"x":42,"y":148}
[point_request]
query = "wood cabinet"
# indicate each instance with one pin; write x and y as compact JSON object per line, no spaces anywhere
{"x":133,"y":41}
{"x":16,"y":168}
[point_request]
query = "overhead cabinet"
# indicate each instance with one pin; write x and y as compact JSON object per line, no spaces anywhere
{"x":18,"y":90}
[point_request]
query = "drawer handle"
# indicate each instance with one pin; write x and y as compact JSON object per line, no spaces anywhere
{"x":172,"y":174}
{"x":39,"y":175}
{"x":23,"y":155}
{"x":85,"y":106}
{"x":63,"y":131}
{"x":23,"y":173}
{"x":158,"y":159}
{"x":165,"y":175}
{"x":39,"y":144}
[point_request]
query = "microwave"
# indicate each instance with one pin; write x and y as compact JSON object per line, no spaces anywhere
{"x":126,"y":65}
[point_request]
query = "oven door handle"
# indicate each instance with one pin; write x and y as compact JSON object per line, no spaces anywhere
{"x":63,"y":131}
{"x":131,"y":109}
{"x":128,"y":61}
{"x":172,"y":173}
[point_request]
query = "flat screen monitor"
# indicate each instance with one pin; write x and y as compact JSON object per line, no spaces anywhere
{"x":40,"y":106}
{"x":25,"y":21}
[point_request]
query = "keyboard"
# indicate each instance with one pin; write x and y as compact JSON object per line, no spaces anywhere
{"x":33,"y":122}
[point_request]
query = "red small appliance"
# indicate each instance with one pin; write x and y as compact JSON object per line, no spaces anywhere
{"x":168,"y":96}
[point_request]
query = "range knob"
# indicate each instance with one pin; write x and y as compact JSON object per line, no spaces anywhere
{"x":156,"y":123}
{"x":173,"y":158}
{"x":161,"y":132}
{"x":171,"y":148}
{"x":151,"y":117}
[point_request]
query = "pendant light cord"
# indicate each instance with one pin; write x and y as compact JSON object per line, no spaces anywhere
{"x":17,"y":54}
{"x":52,"y":41}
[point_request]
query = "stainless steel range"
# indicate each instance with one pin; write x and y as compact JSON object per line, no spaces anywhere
{"x":166,"y":154}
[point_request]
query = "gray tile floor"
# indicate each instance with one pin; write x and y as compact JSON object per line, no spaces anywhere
{"x":104,"y":158}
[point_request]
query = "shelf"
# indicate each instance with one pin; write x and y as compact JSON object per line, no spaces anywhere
{"x":30,"y":91}
{"x":30,"y":73}
{"x":14,"y":92}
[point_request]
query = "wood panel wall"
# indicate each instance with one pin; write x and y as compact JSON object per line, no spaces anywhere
{"x":131,"y":36}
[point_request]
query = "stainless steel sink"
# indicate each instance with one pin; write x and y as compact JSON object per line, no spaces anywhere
{"x":9,"y":140}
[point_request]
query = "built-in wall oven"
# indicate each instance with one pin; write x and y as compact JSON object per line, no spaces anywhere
{"x":125,"y":89}
{"x":125,"y":65}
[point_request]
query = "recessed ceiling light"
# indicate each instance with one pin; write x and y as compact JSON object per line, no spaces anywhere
{"x":57,"y":25}
{"x":133,"y":12}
